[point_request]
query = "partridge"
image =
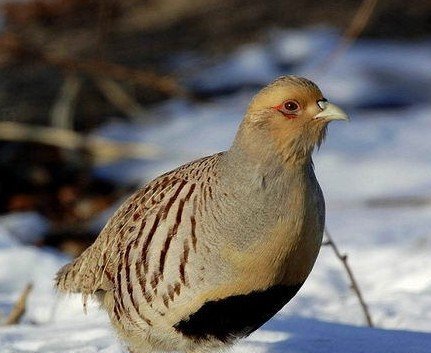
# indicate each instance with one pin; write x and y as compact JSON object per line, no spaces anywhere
{"x":207,"y":253}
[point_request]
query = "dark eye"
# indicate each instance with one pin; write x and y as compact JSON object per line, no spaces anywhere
{"x":291,"y":106}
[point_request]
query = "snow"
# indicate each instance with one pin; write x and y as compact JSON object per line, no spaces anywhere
{"x":291,"y":335}
{"x":375,"y":173}
{"x":26,"y":227}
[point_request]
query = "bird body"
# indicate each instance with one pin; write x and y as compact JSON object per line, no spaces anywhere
{"x":210,"y":251}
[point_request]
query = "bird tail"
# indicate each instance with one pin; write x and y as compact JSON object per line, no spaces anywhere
{"x":85,"y":275}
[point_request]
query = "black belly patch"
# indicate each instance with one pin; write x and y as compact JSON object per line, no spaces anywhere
{"x":236,"y":316}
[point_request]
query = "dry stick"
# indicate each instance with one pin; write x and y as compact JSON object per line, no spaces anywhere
{"x":99,"y":68}
{"x":164,"y":84}
{"x":18,"y":309}
{"x":357,"y":26}
{"x":105,"y":25}
{"x":119,"y":98}
{"x":102,"y":150}
{"x":63,"y":109}
{"x":111,"y":89}
{"x":354,"y":283}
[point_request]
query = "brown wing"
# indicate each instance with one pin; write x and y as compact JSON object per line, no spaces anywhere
{"x":135,"y":243}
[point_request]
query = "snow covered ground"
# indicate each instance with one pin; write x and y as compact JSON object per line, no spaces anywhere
{"x":375,"y":173}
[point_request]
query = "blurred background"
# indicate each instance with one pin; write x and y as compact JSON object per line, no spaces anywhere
{"x":97,"y":97}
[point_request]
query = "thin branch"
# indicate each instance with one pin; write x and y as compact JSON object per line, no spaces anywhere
{"x":119,"y":98}
{"x":18,"y":309}
{"x":357,"y":26}
{"x":353,"y":283}
{"x":164,"y":84}
{"x":105,"y":24}
{"x":103,"y":150}
{"x":63,"y":109}
{"x":100,"y":68}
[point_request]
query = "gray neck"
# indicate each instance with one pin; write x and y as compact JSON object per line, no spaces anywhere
{"x":261,"y":180}
{"x":263,"y":169}
{"x":261,"y":192}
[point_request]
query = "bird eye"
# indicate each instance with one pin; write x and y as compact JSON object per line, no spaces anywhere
{"x":291,"y":106}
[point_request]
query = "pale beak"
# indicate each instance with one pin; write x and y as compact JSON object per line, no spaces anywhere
{"x":332,"y":112}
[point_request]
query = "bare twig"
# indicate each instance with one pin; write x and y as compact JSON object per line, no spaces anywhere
{"x":63,"y":109}
{"x":120,"y":98}
{"x":105,"y":24}
{"x":353,"y":283}
{"x":167,"y":85}
{"x":99,"y":68}
{"x":399,"y":201}
{"x":357,"y":26}
{"x":18,"y":309}
{"x":101,"y":149}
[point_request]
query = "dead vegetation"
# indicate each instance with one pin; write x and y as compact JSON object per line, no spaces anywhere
{"x":19,"y":308}
{"x":354,"y":285}
{"x":130,"y":43}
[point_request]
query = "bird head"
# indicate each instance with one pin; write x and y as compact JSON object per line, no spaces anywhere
{"x":287,"y":118}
